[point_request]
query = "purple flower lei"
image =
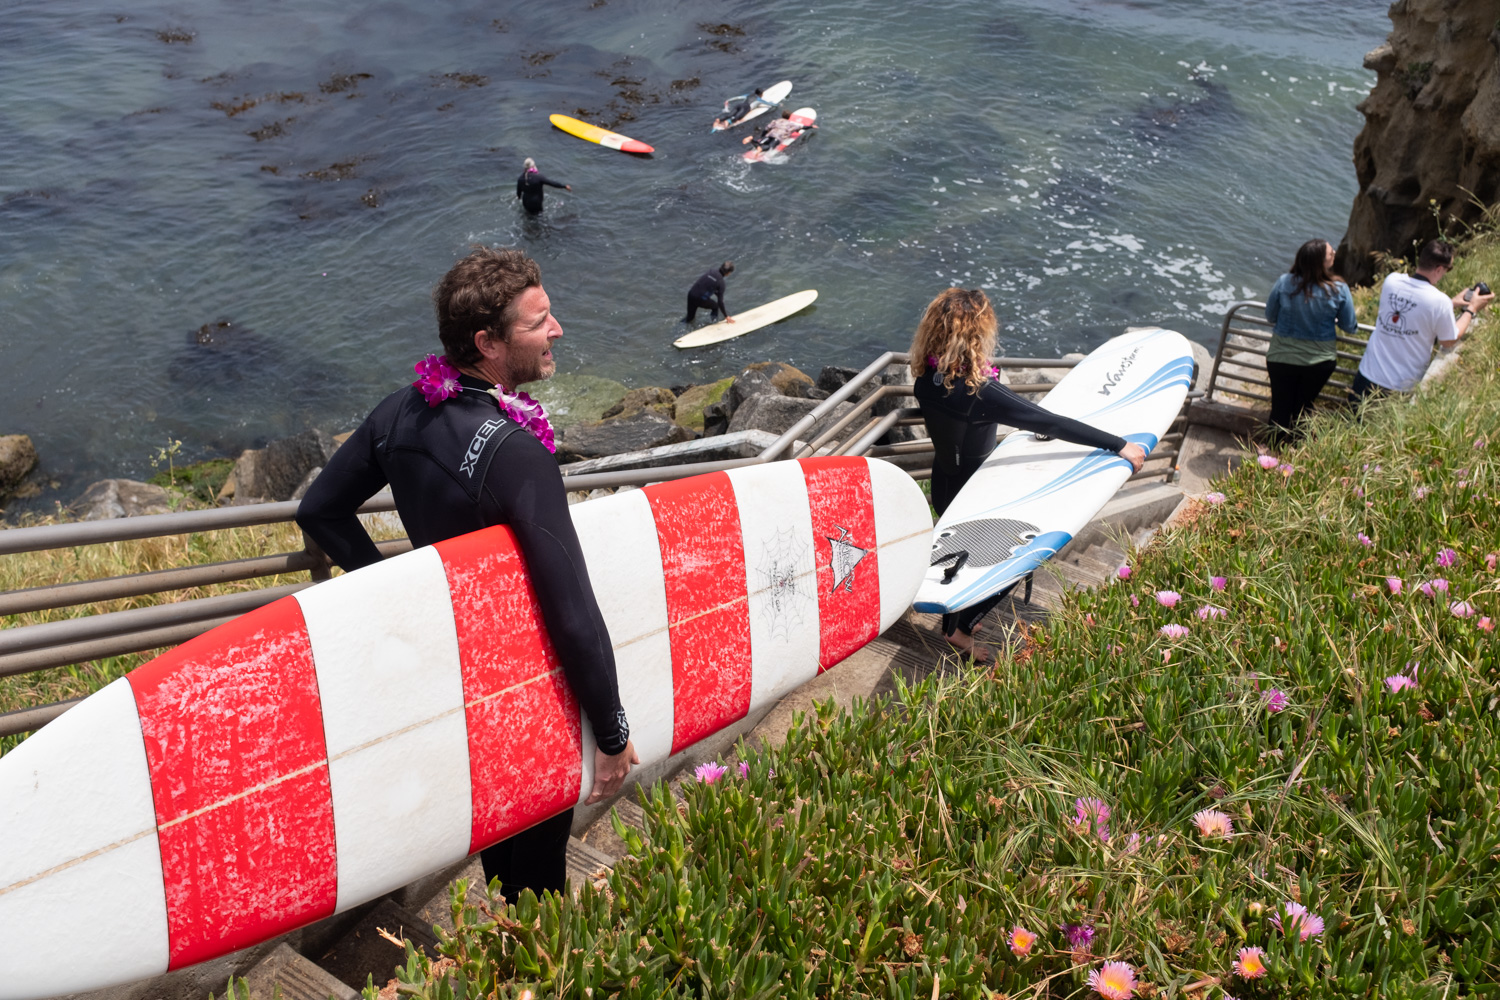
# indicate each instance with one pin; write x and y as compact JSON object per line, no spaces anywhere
{"x":438,"y":382}
{"x":438,"y":379}
{"x":932,"y":363}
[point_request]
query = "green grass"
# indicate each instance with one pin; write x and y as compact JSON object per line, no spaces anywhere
{"x":889,"y":851}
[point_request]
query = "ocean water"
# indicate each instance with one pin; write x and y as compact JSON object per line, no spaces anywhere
{"x":220,"y":222}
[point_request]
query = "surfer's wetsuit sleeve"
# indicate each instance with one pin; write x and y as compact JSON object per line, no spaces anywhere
{"x":525,"y":481}
{"x":994,"y":403}
{"x":327,"y":511}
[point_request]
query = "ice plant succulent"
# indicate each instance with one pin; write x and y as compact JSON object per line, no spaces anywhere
{"x":1394,"y":583}
{"x":1123,"y":572}
{"x":1211,"y":611}
{"x":1174,"y":631}
{"x":1021,"y":941}
{"x":1218,"y":582}
{"x":1113,"y":981}
{"x":1462,"y":609}
{"x":1297,"y":920}
{"x":1274,"y":699}
{"x":1091,"y":810}
{"x":1213,"y":823}
{"x":1445,"y":557}
{"x":1268,"y":462}
{"x":1168,"y":598}
{"x":1399,"y":682}
{"x":1214,"y":498}
{"x":1251,"y":963}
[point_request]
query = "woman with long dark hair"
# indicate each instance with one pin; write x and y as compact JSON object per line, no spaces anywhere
{"x":962,"y":405}
{"x":1308,"y":304}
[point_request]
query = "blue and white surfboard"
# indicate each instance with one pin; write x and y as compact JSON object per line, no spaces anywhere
{"x":1031,"y":496}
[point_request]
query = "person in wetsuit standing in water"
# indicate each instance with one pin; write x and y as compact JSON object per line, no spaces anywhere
{"x":708,"y":293}
{"x":962,"y":405}
{"x":461,"y":463}
{"x":529,"y":187}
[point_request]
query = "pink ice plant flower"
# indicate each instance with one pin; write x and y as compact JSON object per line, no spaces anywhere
{"x":1123,"y":572}
{"x":1214,"y":498}
{"x":1168,"y":598}
{"x":438,"y":380}
{"x":1268,"y":462}
{"x":1445,"y":557}
{"x":1285,"y":469}
{"x":1174,"y":631}
{"x":1399,"y":682}
{"x":1462,"y":609}
{"x":1364,"y":539}
{"x":1490,"y":560}
{"x":708,"y":773}
{"x":1080,"y":936}
{"x":1306,"y":925}
{"x":1251,"y":964}
{"x":744,"y":769}
{"x":1135,"y":601}
{"x":1091,"y":810}
{"x":1211,"y":611}
{"x":1485,"y":623}
{"x":1213,"y":823}
{"x":1274,"y":699}
{"x":1394,"y":583}
{"x":1113,"y":981}
{"x":1218,"y":582}
{"x":1421,"y":492}
{"x":1431,"y":588}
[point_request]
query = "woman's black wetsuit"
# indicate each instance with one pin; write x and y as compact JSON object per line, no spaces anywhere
{"x":962,"y":423}
{"x":529,"y":190}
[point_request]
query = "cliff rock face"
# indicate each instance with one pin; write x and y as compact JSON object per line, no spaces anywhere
{"x":1432,"y":130}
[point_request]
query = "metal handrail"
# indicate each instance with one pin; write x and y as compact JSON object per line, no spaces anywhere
{"x":1234,"y":315}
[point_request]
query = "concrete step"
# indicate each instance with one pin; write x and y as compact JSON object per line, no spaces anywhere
{"x":364,"y":952}
{"x":297,"y":978}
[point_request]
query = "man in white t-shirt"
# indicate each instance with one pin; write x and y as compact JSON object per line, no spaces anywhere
{"x":1414,"y":314}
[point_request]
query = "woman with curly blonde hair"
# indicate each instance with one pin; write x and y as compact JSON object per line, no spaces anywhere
{"x":963,"y":403}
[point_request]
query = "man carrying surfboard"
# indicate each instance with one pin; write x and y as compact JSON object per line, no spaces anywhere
{"x":708,"y":293}
{"x":530,"y":189}
{"x":463,"y":449}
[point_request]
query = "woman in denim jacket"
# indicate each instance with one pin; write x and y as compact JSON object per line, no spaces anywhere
{"x":1306,"y":304}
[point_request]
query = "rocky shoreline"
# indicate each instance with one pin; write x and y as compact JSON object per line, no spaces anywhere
{"x":602,"y":426}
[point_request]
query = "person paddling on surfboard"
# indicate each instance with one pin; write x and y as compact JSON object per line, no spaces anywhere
{"x":708,"y":293}
{"x":962,"y":403}
{"x":734,"y":112}
{"x":529,"y":187}
{"x":463,"y":449}
{"x":780,"y":130}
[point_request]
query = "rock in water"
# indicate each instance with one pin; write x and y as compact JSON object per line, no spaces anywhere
{"x":650,"y":398}
{"x":275,"y":471}
{"x":111,"y":498}
{"x":17,"y":458}
{"x":691,"y":404}
{"x":642,"y":430}
{"x":787,"y":380}
{"x":748,"y":383}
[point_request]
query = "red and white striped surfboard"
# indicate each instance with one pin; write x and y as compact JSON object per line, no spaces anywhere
{"x":339,"y":743}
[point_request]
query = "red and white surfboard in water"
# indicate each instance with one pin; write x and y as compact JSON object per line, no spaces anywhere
{"x":341,"y":742}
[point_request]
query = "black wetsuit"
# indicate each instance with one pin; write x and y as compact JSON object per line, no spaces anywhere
{"x":962,"y":423}
{"x":740,"y":109}
{"x":707,"y":293}
{"x":455,"y":468}
{"x":529,"y":190}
